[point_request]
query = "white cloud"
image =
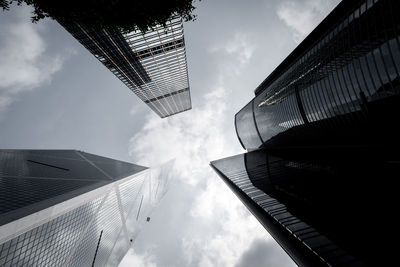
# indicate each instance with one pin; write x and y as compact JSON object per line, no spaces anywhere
{"x":194,"y":138}
{"x":142,"y":260}
{"x":262,"y":253}
{"x":241,"y":46}
{"x":239,"y":228}
{"x":24,"y":64}
{"x":303,"y":16}
{"x":238,"y":50}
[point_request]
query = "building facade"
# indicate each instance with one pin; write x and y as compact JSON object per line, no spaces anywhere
{"x":345,"y":73}
{"x":71,"y":208}
{"x":322,"y":141}
{"x":152,"y":65}
{"x":324,"y":208}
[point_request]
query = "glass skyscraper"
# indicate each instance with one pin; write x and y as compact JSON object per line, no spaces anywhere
{"x":323,"y":142}
{"x":343,"y":74}
{"x":71,"y":208}
{"x":153,"y":65}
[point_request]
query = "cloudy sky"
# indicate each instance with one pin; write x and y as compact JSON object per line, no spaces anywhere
{"x":55,"y":95}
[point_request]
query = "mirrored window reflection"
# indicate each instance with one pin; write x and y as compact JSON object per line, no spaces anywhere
{"x":387,"y":59}
{"x":394,"y":48}
{"x":268,"y":181}
{"x":276,"y":116}
{"x":371,"y":65}
{"x":380,"y":66}
{"x":355,"y":63}
{"x":322,"y":100}
{"x":51,"y":243}
{"x":316,"y":105}
{"x":246,"y":128}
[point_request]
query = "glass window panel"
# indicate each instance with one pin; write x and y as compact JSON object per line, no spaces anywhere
{"x":246,"y":128}
{"x":307,"y":104}
{"x":394,"y":46}
{"x":349,"y":83}
{"x":339,"y":93}
{"x":344,"y":88}
{"x":371,"y":88}
{"x":380,"y":66}
{"x":387,"y":58}
{"x":354,"y":78}
{"x":324,"y":95}
{"x":373,"y":72}
{"x":290,"y":108}
{"x":320,"y":103}
{"x":267,"y":116}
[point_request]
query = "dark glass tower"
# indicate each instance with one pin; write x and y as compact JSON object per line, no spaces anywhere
{"x":329,"y":207}
{"x":71,"y":208}
{"x":323,"y":142}
{"x":339,"y":85}
{"x":153,"y":65}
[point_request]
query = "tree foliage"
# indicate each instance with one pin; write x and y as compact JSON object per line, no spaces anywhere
{"x":126,"y":15}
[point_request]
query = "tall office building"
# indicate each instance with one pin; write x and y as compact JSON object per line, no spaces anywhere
{"x":71,"y":208}
{"x":342,"y":78}
{"x":329,"y":207}
{"x":322,"y":141}
{"x":153,"y":65}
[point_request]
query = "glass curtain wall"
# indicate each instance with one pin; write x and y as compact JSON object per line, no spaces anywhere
{"x":352,"y":64}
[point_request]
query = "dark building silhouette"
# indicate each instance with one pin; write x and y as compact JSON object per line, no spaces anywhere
{"x":323,"y":142}
{"x":71,"y":208}
{"x":329,"y":207}
{"x":153,"y":65}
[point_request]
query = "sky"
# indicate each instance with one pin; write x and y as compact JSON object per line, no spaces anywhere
{"x":55,"y":95}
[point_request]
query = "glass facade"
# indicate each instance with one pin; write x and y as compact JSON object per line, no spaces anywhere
{"x":246,"y":127}
{"x":153,"y":65}
{"x":47,"y":223}
{"x":318,"y":205}
{"x":347,"y":64}
{"x":323,"y":142}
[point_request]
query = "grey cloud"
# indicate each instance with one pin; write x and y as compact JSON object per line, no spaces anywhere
{"x":301,"y":17}
{"x":262,"y":253}
{"x":25,"y":63}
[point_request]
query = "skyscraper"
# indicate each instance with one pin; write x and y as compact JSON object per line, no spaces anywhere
{"x":71,"y":208}
{"x":324,"y":207}
{"x":322,"y":141}
{"x":153,"y":65}
{"x":342,"y":79}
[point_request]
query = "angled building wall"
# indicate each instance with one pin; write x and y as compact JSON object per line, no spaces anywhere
{"x":70,"y":208}
{"x":153,"y":65}
{"x":322,"y":141}
{"x":322,"y":207}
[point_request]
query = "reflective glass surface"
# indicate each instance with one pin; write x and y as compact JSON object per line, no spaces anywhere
{"x":153,"y":65}
{"x":246,"y":128}
{"x":274,"y":118}
{"x":98,"y":227}
{"x":31,"y":180}
{"x":352,"y":63}
{"x":321,"y":198}
{"x":51,"y":243}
